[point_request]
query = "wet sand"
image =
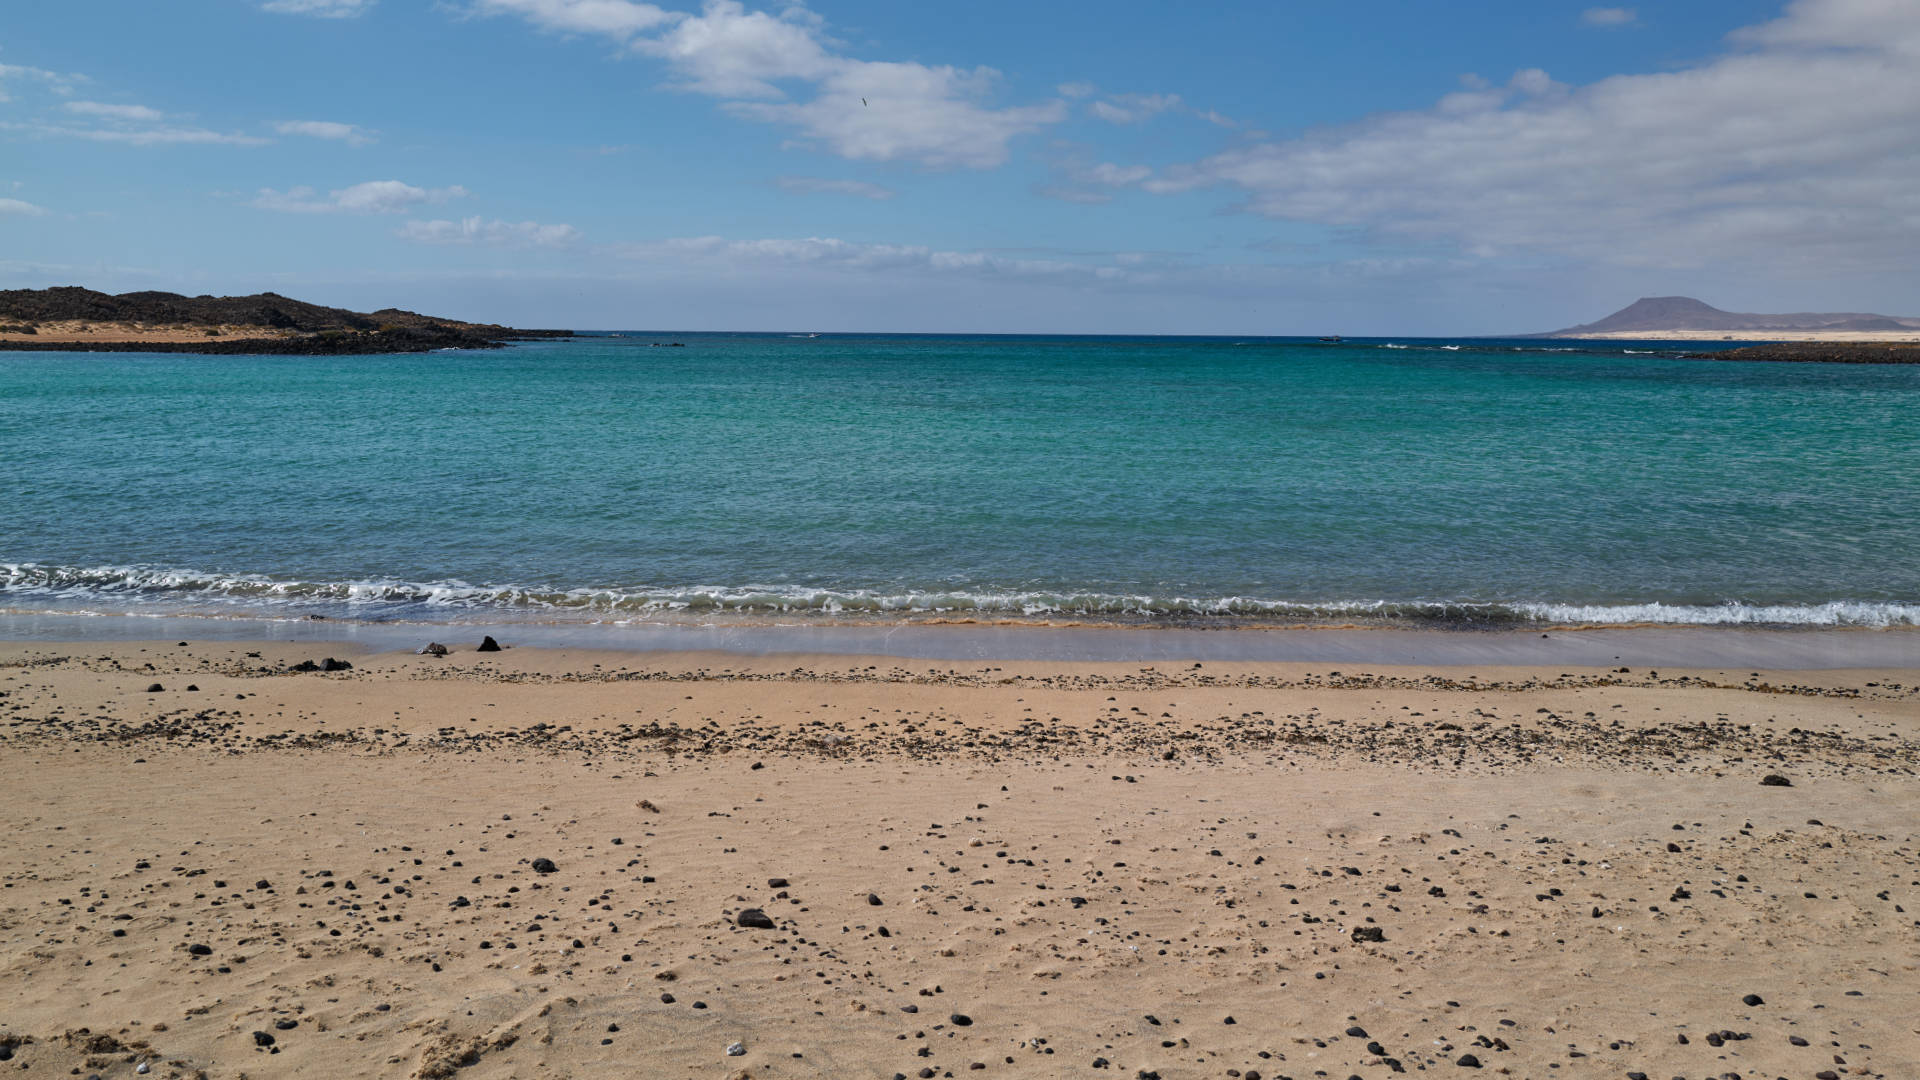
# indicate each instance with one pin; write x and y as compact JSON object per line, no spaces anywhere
{"x":537,"y":863}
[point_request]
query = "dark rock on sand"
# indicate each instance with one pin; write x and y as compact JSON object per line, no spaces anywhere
{"x":487,"y":644}
{"x":753,"y":919}
{"x":262,"y":1038}
{"x":1775,"y":780}
{"x":1753,"y":999}
{"x":544,"y":866}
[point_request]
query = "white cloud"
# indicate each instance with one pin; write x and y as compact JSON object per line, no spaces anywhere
{"x":474,"y":230}
{"x":615,"y":18}
{"x":53,"y":80}
{"x":372,"y":197}
{"x":114,"y":112}
{"x":158,"y":136}
{"x":1130,"y":108}
{"x":351,"y":134}
{"x":1802,"y":147}
{"x":20,"y":208}
{"x":321,"y":9}
{"x":1609,"y":17}
{"x":938,"y":116}
{"x":728,"y":51}
{"x":811,"y":185}
{"x":1077,"y":89}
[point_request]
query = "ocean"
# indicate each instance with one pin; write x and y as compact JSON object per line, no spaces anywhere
{"x":785,"y":478}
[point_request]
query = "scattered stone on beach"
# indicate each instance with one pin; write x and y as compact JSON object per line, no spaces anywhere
{"x":544,"y":866}
{"x":874,"y":899}
{"x":330,"y":664}
{"x":487,"y":644}
{"x":1775,"y":780}
{"x":433,"y":648}
{"x":1753,"y":999}
{"x":776,"y":883}
{"x":753,"y":919}
{"x":736,"y":1050}
{"x":155,"y":688}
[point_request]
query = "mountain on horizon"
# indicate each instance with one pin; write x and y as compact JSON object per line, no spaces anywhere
{"x":1656,"y":313}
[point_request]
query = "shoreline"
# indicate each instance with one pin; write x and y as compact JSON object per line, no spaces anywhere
{"x":1780,"y":648}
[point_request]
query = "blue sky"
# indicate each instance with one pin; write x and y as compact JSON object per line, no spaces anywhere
{"x":1363,"y":167}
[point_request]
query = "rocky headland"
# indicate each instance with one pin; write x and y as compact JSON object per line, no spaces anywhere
{"x":74,"y":319}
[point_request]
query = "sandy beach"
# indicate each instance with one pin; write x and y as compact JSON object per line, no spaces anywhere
{"x":74,"y":330}
{"x":539,"y":863}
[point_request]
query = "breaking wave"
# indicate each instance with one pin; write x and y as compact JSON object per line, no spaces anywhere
{"x":145,"y":587}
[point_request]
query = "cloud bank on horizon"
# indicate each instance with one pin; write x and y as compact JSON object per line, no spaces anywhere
{"x":610,"y":151}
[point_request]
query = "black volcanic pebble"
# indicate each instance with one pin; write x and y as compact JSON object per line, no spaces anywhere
{"x":200,"y":950}
{"x":330,"y":664}
{"x":285,"y":1025}
{"x":666,"y":999}
{"x":544,"y":866}
{"x":1468,"y":1061}
{"x":874,"y":899}
{"x":753,"y":919}
{"x":6,"y":1053}
{"x":776,"y":883}
{"x":961,"y":1020}
{"x":1369,"y":933}
{"x":1775,"y":780}
{"x":155,"y":688}
{"x":1753,"y":999}
{"x":487,"y":644}
{"x":1356,"y":1032}
{"x":262,"y":1038}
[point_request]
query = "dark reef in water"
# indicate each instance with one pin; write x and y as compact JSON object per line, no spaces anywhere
{"x":1822,"y":352}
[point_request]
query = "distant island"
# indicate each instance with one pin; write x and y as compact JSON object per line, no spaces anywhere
{"x":73,"y":319}
{"x":1682,"y":318}
{"x":1832,"y":337}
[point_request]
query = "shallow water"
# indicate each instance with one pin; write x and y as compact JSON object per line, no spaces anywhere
{"x":1159,"y":479}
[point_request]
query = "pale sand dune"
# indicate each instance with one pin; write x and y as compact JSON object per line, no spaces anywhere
{"x":146,"y":333}
{"x":1160,"y":867}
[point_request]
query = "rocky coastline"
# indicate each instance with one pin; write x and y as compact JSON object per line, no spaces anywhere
{"x":73,"y":319}
{"x":1820,"y":352}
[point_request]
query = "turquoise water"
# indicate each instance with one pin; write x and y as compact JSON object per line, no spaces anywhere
{"x":1172,"y":478}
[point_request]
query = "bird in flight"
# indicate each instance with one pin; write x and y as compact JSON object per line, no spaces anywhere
{"x":863,"y":101}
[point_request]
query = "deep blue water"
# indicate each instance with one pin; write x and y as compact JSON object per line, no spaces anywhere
{"x":1155,"y":477}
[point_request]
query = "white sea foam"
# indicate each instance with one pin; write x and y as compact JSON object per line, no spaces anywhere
{"x":128,"y":586}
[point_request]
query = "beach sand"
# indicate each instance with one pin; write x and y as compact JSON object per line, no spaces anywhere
{"x":993,"y":869}
{"x":61,"y":332}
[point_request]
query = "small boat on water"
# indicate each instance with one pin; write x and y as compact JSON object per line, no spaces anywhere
{"x":1332,"y":339}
